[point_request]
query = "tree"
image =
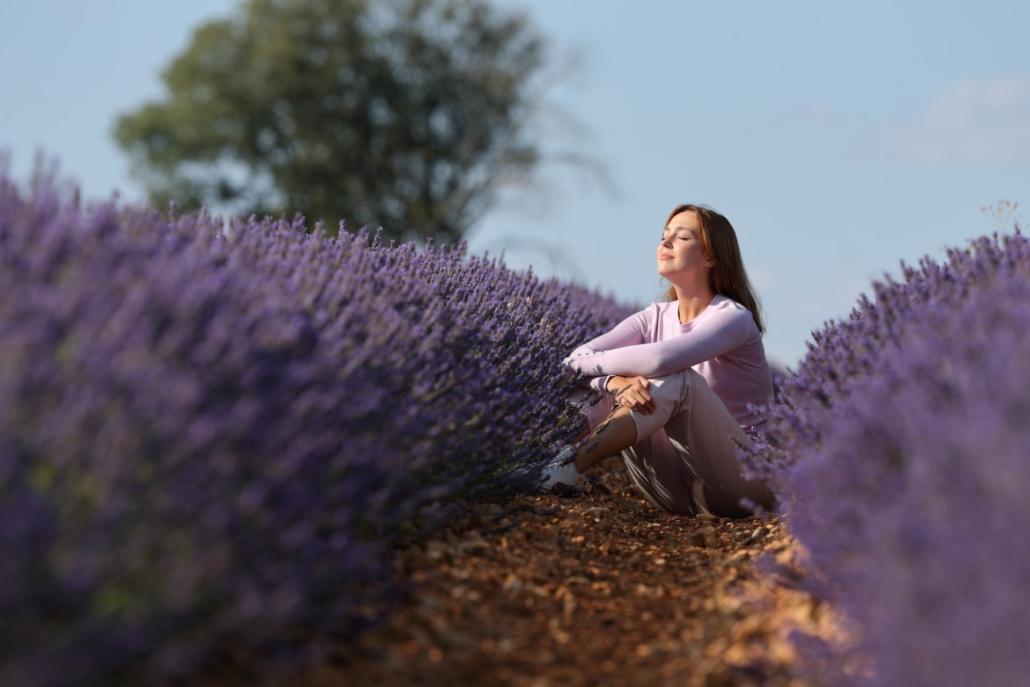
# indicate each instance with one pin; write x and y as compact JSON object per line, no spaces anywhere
{"x":407,"y":114}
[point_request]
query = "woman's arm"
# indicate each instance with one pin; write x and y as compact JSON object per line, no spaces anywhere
{"x":632,"y":330}
{"x":718,"y":333}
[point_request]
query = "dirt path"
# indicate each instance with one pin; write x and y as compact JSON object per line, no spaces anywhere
{"x":598,"y":590}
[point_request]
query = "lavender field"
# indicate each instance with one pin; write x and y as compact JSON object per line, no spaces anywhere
{"x":901,"y":458}
{"x":217,"y":433}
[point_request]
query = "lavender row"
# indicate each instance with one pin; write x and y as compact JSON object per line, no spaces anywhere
{"x":211,"y":435}
{"x":899,"y":453}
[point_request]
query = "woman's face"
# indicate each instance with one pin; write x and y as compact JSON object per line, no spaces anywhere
{"x":681,"y":255}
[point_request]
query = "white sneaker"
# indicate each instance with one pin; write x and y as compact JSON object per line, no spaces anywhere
{"x":561,"y":470}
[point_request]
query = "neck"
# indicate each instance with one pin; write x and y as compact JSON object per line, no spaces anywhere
{"x":692,"y":304}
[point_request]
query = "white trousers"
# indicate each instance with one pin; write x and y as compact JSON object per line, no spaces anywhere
{"x":685,"y":459}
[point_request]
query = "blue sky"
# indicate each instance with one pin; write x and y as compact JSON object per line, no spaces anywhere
{"x":839,"y":138}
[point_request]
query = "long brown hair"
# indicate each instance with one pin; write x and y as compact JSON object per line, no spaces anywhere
{"x":727,"y":276}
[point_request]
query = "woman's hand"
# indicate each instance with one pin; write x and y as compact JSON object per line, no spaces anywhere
{"x":632,"y":393}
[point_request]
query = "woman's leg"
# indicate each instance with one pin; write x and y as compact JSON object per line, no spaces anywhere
{"x":608,"y":429}
{"x":719,"y":440}
{"x":656,"y":467}
{"x":691,"y":465}
{"x":709,"y":439}
{"x":615,"y":433}
{"x":651,"y":461}
{"x":658,"y":471}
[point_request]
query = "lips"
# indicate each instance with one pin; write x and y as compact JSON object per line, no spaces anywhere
{"x":665,"y":257}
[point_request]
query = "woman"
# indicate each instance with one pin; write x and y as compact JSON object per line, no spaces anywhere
{"x":671,"y":386}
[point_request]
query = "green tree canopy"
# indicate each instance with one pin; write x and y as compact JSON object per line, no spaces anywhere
{"x":402,"y":113}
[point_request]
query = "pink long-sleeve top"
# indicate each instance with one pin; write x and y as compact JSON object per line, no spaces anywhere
{"x":723,"y":344}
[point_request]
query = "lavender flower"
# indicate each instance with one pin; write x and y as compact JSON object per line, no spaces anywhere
{"x":215,"y":433}
{"x":899,"y":456}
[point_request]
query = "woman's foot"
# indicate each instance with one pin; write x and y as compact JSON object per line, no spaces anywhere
{"x":561,"y":470}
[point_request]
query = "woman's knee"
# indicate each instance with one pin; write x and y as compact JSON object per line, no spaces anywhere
{"x":688,"y":376}
{"x":666,"y":399}
{"x":668,"y":393}
{"x":673,"y":387}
